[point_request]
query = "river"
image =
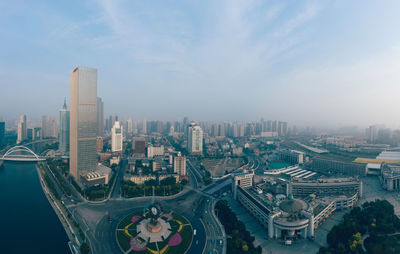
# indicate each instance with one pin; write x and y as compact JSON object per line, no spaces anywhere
{"x":28,"y":222}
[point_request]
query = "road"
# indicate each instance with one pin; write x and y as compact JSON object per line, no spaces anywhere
{"x":116,"y":192}
{"x":101,"y":232}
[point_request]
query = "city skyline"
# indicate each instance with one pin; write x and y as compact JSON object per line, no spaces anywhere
{"x":295,"y":62}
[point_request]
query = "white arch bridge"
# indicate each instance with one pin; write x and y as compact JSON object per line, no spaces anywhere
{"x":21,"y":153}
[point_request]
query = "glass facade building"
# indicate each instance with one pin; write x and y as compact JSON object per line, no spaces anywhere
{"x":63,"y":134}
{"x":83,"y":121}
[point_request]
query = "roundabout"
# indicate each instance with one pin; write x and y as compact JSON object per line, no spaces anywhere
{"x":154,"y":231}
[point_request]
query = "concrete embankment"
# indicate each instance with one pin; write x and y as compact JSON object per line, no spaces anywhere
{"x":71,"y":233}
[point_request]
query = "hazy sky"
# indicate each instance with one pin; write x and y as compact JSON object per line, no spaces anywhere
{"x":307,"y":62}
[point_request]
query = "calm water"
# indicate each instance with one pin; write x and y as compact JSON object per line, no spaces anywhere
{"x":28,"y":222}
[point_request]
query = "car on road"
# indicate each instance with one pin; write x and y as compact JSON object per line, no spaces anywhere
{"x":197,"y":242}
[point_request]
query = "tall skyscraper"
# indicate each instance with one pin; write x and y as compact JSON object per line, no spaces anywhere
{"x":116,"y":137}
{"x":100,"y":117}
{"x":83,"y":121}
{"x":2,"y":133}
{"x":195,"y":139}
{"x":22,"y":131}
{"x":63,"y":135}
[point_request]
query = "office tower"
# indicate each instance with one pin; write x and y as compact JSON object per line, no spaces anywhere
{"x":100,"y":117}
{"x":116,"y":137}
{"x":195,"y":139}
{"x":2,"y":133}
{"x":83,"y":121}
{"x":22,"y":132}
{"x":180,"y":164}
{"x":63,"y":135}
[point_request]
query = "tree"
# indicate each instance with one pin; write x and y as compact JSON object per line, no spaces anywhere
{"x":85,"y":248}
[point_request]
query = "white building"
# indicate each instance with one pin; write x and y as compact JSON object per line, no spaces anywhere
{"x":180,"y":164}
{"x":154,"y":151}
{"x":22,"y":131}
{"x":195,"y":139}
{"x":116,"y":137}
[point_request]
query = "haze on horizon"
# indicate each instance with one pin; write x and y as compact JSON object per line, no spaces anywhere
{"x":305,"y":62}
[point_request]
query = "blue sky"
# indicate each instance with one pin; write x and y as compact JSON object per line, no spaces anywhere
{"x":307,"y":62}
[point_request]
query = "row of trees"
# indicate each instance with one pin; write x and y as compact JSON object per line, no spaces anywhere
{"x":377,"y":219}
{"x":165,"y":187}
{"x":240,"y":241}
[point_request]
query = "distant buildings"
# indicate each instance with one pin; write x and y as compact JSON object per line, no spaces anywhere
{"x":49,"y":127}
{"x":100,"y":117}
{"x":2,"y":133}
{"x":116,"y":137}
{"x":63,"y":136}
{"x":144,"y":127}
{"x":180,"y":164}
{"x":195,"y":139}
{"x":22,"y":129}
{"x":83,"y":121}
{"x":372,"y":133}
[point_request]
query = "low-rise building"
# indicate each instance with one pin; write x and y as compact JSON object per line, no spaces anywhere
{"x":334,"y":166}
{"x":100,"y":176}
{"x":291,"y":156}
{"x":390,"y":176}
{"x":325,"y":186}
{"x":291,"y":217}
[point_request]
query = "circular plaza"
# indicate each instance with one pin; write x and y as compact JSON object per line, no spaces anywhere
{"x":154,"y":231}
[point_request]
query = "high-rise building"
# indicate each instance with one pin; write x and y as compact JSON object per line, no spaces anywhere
{"x":63,"y":135}
{"x":83,"y":121}
{"x":44,"y":126}
{"x":22,"y":131}
{"x":116,"y":137}
{"x":100,"y":117}
{"x":180,"y":164}
{"x":139,"y":145}
{"x":2,"y":133}
{"x":144,"y":126}
{"x":195,"y":139}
